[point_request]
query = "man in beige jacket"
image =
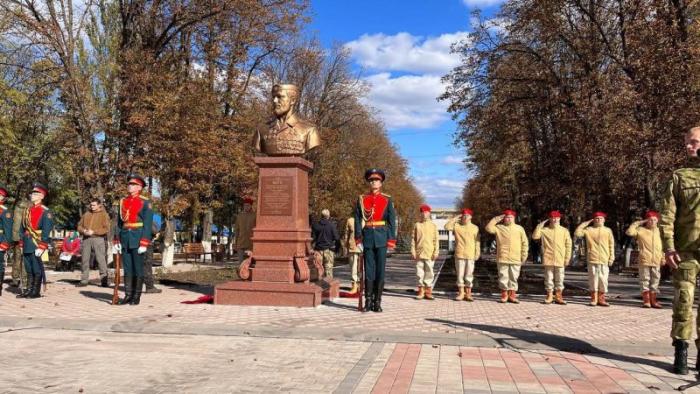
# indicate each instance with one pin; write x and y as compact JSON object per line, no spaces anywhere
{"x":600,"y":253}
{"x":245,"y":222}
{"x":353,"y":253}
{"x":556,"y":254}
{"x":424,"y":250}
{"x":467,"y":251}
{"x":651,"y":256}
{"x":511,"y":253}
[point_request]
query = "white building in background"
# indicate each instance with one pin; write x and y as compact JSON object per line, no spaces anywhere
{"x":440,"y":216}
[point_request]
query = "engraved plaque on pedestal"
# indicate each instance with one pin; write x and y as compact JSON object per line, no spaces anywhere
{"x":276,"y":195}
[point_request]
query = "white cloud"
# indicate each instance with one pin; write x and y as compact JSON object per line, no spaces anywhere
{"x":482,"y":3}
{"x":440,"y":192}
{"x":406,"y":52}
{"x":407,"y":101}
{"x":452,"y":160}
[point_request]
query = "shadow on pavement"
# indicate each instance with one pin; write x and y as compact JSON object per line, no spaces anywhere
{"x":558,"y":342}
{"x":104,"y":297}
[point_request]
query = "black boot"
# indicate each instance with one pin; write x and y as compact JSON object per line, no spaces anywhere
{"x":378,"y":296}
{"x":2,"y":279}
{"x":27,"y":287}
{"x":137,"y":290}
{"x":369,"y":295}
{"x":128,"y":291}
{"x":36,"y":289}
{"x":680,"y":357}
{"x":104,"y":282}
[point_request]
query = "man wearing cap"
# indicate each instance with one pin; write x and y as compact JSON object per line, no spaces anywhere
{"x":5,"y":232}
{"x":651,"y":256}
{"x":353,"y":253}
{"x":467,"y":251}
{"x":133,"y":235}
{"x":556,"y":254}
{"x":424,"y":250}
{"x":511,"y":253}
{"x":375,"y":231}
{"x":287,"y":134}
{"x":680,"y":235}
{"x":245,"y":223}
{"x":94,"y":226}
{"x":35,"y":233}
{"x":600,"y":253}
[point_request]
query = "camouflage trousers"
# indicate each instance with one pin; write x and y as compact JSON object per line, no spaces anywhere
{"x":683,"y":297}
{"x":18,"y":273}
{"x":328,"y":259}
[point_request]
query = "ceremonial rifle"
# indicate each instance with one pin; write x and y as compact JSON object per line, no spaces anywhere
{"x":117,"y":277}
{"x":360,"y":306}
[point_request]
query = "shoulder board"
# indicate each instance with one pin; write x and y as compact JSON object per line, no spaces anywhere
{"x":144,"y":197}
{"x":385,"y":195}
{"x":45,"y":207}
{"x":3,"y":207}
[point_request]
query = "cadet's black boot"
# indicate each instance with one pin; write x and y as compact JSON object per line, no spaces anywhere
{"x":128,"y":291}
{"x":369,"y":295}
{"x":137,"y":290}
{"x":697,"y":361}
{"x":378,"y":296}
{"x":680,"y":357}
{"x":36,"y":289}
{"x":27,"y":287}
{"x":104,"y":282}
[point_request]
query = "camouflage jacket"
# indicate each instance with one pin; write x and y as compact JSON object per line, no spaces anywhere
{"x":680,"y":214}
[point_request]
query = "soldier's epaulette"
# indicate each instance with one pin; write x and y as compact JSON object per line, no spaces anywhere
{"x":4,"y":208}
{"x":386,"y":195}
{"x":144,"y":198}
{"x":45,"y":207}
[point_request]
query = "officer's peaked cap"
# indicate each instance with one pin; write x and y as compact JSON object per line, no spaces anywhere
{"x":137,"y":178}
{"x":375,"y":171}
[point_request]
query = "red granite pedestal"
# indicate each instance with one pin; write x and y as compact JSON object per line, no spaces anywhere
{"x":281,"y":238}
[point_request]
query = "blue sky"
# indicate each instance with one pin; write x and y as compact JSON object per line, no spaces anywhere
{"x":401,"y":48}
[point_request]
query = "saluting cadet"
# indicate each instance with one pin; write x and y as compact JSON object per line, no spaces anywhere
{"x":556,"y":254}
{"x":467,"y":251}
{"x":5,"y":232}
{"x":511,"y":253}
{"x":133,"y":235}
{"x":424,"y":250}
{"x":600,"y":253}
{"x":35,"y":233}
{"x":651,"y":256}
{"x":375,"y":231}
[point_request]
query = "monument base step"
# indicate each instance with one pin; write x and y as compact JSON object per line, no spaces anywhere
{"x":268,"y":294}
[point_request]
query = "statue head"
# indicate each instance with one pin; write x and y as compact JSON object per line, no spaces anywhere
{"x":284,"y":98}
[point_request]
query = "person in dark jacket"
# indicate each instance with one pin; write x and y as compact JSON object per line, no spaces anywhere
{"x":326,"y":241}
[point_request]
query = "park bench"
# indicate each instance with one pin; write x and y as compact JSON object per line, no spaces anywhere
{"x":195,"y":249}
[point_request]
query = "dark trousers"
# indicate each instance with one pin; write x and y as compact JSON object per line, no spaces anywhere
{"x":375,"y":263}
{"x":2,"y":266}
{"x":133,"y":262}
{"x":33,"y":265}
{"x":148,"y":268}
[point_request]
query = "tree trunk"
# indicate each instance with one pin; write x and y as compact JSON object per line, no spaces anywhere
{"x":206,"y":231}
{"x":169,"y":243}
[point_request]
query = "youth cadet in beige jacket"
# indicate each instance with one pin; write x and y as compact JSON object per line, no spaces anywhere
{"x":556,"y":254}
{"x":600,"y":253}
{"x":467,"y":251}
{"x":651,"y":256}
{"x":424,"y":250}
{"x":511,"y":252}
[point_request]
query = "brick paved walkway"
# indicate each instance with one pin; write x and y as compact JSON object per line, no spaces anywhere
{"x":414,"y":346}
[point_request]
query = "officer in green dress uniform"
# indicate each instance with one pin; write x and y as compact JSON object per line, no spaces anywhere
{"x":35,"y":235}
{"x":134,"y":234}
{"x":375,"y":231}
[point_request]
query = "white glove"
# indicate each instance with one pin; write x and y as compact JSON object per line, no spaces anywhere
{"x":361,"y":247}
{"x":118,"y":248}
{"x":39,"y":252}
{"x":142,"y":250}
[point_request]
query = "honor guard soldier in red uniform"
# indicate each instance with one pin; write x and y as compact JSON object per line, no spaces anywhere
{"x":375,"y":231}
{"x":5,"y":232}
{"x":133,"y":235}
{"x":35,"y":232}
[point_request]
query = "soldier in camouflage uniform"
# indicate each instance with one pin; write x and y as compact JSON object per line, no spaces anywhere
{"x":680,"y":227}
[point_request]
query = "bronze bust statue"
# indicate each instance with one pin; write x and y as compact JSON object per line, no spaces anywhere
{"x":287,"y":134}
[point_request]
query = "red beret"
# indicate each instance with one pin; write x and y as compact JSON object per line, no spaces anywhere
{"x":248,"y":200}
{"x":509,"y":212}
{"x":467,"y":211}
{"x":425,"y":208}
{"x":600,"y":214}
{"x":651,"y":214}
{"x":555,"y":214}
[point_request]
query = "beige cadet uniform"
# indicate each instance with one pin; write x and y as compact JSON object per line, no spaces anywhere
{"x":511,"y":251}
{"x":424,"y":246}
{"x":600,"y":254}
{"x":556,"y":253}
{"x":245,"y":222}
{"x":467,"y":249}
{"x":353,"y":250}
{"x":651,"y":255}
